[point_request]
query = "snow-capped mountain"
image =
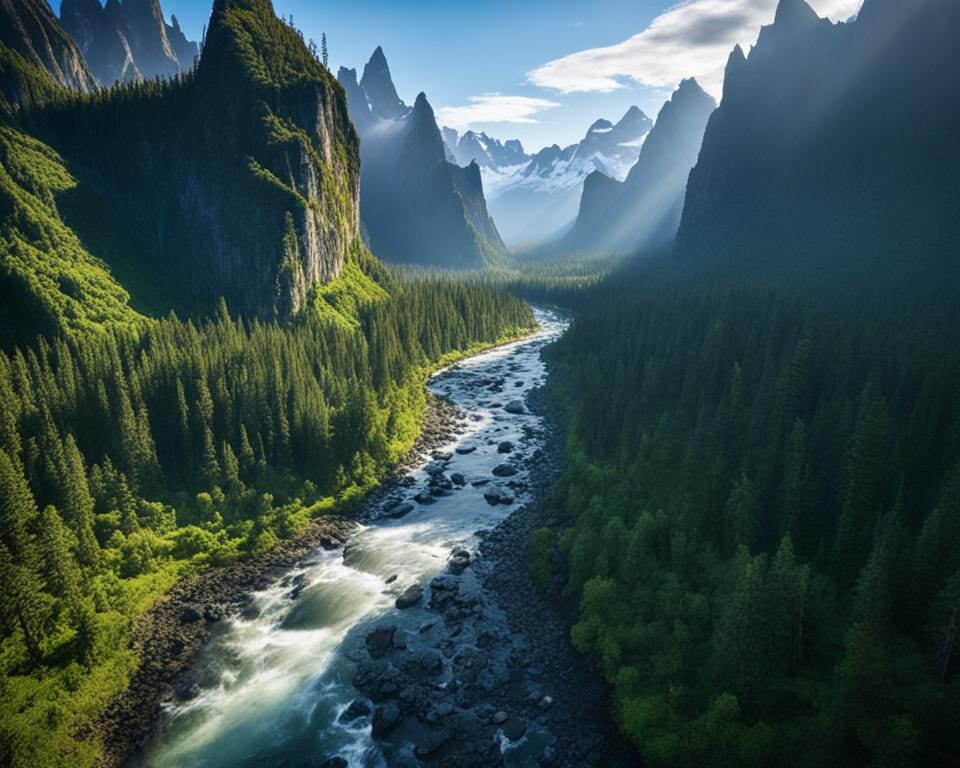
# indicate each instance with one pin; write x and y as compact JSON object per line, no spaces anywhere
{"x":535,"y":197}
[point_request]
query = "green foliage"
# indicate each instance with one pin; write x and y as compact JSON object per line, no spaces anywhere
{"x":183,"y":445}
{"x":763,"y":505}
{"x":542,"y":547}
{"x":49,"y":282}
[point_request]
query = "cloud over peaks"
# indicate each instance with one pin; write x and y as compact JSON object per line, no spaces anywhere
{"x":494,"y":108}
{"x":690,"y":39}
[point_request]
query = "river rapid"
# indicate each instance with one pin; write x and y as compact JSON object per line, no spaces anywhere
{"x":274,"y":685}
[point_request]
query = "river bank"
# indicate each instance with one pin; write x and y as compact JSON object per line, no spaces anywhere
{"x":422,"y":643}
{"x":490,"y":673}
{"x":168,"y":637}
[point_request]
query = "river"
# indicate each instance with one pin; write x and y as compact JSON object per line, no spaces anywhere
{"x":274,"y":683}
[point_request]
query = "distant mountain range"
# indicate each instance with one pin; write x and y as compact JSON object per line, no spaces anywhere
{"x":643,"y":211}
{"x":416,"y":206}
{"x":127,"y":40}
{"x":535,"y":197}
{"x":834,"y":147}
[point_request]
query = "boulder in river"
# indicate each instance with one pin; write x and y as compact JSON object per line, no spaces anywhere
{"x":379,"y":641}
{"x":410,"y":597}
{"x":515,"y":407}
{"x":505,"y":447}
{"x":399,"y":510}
{"x":457,"y":478}
{"x":504,"y":470}
{"x":358,"y":708}
{"x":492,"y":496}
{"x":465,"y":449}
{"x":514,"y":728}
{"x":424,"y":497}
{"x":459,"y":560}
{"x":385,"y":719}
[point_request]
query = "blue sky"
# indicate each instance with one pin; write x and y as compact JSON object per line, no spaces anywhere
{"x":540,"y":72}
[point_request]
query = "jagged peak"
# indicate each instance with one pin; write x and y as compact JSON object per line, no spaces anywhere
{"x":377,"y":84}
{"x":601,"y":124}
{"x":421,"y":105}
{"x":346,"y":75}
{"x":794,"y":12}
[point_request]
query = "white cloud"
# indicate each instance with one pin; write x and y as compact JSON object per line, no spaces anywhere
{"x":494,"y":108}
{"x":690,"y":39}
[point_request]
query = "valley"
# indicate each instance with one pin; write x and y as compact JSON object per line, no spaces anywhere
{"x":339,"y":430}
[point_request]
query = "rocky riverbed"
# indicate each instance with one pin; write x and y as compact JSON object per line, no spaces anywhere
{"x":423,"y":642}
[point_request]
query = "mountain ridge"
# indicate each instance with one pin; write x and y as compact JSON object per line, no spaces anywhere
{"x":416,"y":206}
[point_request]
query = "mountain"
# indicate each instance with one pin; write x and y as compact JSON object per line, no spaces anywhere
{"x":239,"y":180}
{"x":535,"y":197}
{"x":416,"y":206}
{"x":835,"y":147}
{"x":644,"y":210}
{"x":486,"y":151}
{"x":123,"y":41}
{"x":29,"y":29}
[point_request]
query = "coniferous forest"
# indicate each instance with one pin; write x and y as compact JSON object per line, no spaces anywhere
{"x":704,"y":512}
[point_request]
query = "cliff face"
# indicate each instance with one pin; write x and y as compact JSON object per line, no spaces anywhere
{"x":416,"y":207}
{"x":29,"y":28}
{"x":643,"y":211}
{"x":128,"y":40}
{"x":269,"y":165}
{"x":239,"y":180}
{"x":834,"y":146}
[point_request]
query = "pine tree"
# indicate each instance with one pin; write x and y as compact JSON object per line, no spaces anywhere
{"x":324,"y":55}
{"x":22,"y":603}
{"x":78,"y":505}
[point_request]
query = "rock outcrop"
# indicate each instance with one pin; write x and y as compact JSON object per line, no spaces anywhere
{"x":29,"y":28}
{"x":127,"y":40}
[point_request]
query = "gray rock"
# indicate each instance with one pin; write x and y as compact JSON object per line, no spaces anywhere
{"x":515,"y":407}
{"x":385,"y":719}
{"x":358,"y":708}
{"x":505,"y":447}
{"x":514,"y":728}
{"x":499,"y":717}
{"x":409,"y":597}
{"x":504,"y":470}
{"x":399,"y":510}
{"x":434,"y":741}
{"x":379,"y":641}
{"x":459,"y":560}
{"x":545,"y":703}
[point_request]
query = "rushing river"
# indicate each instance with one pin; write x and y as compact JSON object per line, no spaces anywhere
{"x":275,"y":681}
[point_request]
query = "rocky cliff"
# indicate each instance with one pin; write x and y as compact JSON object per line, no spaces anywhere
{"x":643,"y":212}
{"x":416,"y":206}
{"x":239,"y":180}
{"x":834,"y":147}
{"x":123,"y":41}
{"x":29,"y":28}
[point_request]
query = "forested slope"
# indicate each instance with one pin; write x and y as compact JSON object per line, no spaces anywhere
{"x":763,"y":519}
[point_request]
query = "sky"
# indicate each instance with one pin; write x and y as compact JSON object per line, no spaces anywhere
{"x":538,"y":71}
